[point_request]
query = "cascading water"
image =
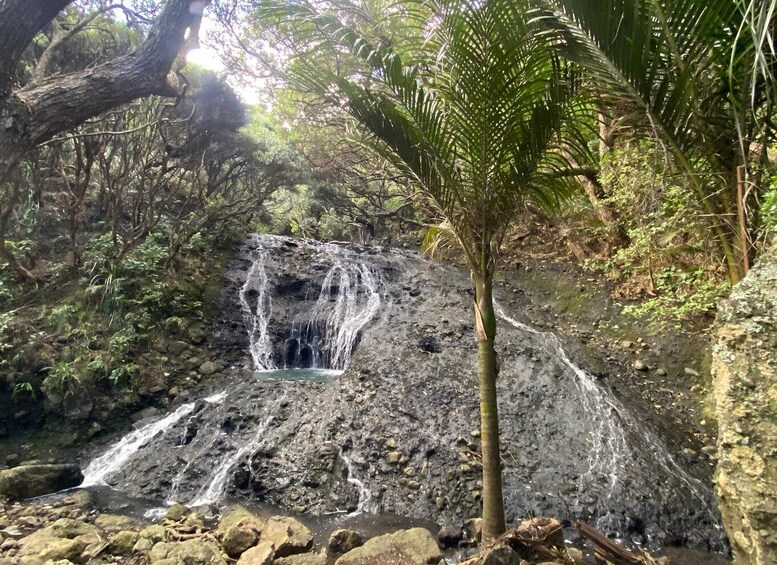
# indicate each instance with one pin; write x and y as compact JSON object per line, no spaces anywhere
{"x":324,"y":334}
{"x":299,"y":437}
{"x":258,"y":313}
{"x":348,"y":300}
{"x":610,"y":452}
{"x":215,"y":487}
{"x":113,"y":460}
{"x":365,"y":495}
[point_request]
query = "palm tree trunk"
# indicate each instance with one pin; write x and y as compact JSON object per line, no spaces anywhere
{"x":485,"y":321}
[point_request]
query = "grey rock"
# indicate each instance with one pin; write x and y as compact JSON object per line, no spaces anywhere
{"x":27,"y":481}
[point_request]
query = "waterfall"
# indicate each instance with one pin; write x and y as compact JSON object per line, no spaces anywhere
{"x":259,"y":314}
{"x":113,"y":460}
{"x":610,"y":451}
{"x":365,"y":496}
{"x":215,"y":487}
{"x":325,"y":337}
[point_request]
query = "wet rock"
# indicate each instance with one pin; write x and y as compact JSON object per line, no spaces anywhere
{"x":450,"y":535}
{"x":288,"y":536}
{"x":240,"y":537}
{"x":177,"y":512}
{"x":64,"y":539}
{"x":192,"y":551}
{"x":343,"y":541}
{"x":27,"y":481}
{"x":414,"y":546}
{"x":261,"y":554}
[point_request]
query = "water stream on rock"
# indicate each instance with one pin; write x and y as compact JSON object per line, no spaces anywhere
{"x":101,"y":468}
{"x":610,"y":453}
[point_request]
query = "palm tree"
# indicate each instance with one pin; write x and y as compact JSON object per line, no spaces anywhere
{"x":699,"y":71}
{"x":484,"y":125}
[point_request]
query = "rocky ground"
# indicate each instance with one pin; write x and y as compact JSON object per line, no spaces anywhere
{"x":71,"y":530}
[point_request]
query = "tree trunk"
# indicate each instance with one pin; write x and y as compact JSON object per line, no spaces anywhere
{"x":485,"y":322}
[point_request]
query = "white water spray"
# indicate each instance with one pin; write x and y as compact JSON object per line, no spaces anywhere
{"x":215,"y":488}
{"x":365,"y":496}
{"x":349,"y":298}
{"x":258,"y":314}
{"x":113,"y":460}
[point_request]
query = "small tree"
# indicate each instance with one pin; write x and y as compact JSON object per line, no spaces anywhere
{"x":484,"y":124}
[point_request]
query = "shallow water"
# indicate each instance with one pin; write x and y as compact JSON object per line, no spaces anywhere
{"x":298,"y":375}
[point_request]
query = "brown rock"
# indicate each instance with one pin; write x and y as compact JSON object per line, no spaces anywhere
{"x":288,"y":536}
{"x":240,"y":537}
{"x":416,"y":546}
{"x":343,"y":541}
{"x":261,"y":554}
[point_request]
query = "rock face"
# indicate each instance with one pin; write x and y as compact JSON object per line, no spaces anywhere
{"x":27,"y":481}
{"x":396,"y":432}
{"x":745,"y":384}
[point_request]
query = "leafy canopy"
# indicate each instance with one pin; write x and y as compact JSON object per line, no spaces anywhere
{"x":484,"y":118}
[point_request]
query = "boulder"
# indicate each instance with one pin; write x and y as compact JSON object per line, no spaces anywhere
{"x":143,"y":545}
{"x":239,"y":514}
{"x":261,"y":554}
{"x":177,"y":347}
{"x":288,"y":536}
{"x":176,"y":512}
{"x":64,"y":539}
{"x":240,"y":537}
{"x":113,"y":523}
{"x":449,"y":536}
{"x":343,"y":541}
{"x":209,"y":367}
{"x":416,"y":546}
{"x":744,"y":375}
{"x":303,"y":559}
{"x":27,"y":481}
{"x":122,"y":543}
{"x":500,"y":554}
{"x":190,"y":552}
{"x":474,"y":529}
{"x":155,"y":533}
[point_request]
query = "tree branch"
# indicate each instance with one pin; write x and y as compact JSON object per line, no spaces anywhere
{"x":20,"y":22}
{"x":37,"y":112}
